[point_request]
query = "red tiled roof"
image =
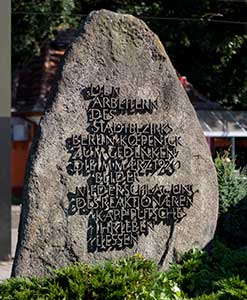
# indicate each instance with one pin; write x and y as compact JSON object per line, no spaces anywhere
{"x":33,"y":82}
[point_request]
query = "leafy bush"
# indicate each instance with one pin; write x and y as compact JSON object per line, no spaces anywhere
{"x":207,"y":275}
{"x":67,"y":283}
{"x":129,"y":278}
{"x":232,"y":225}
{"x":219,"y":275}
{"x":232,"y":187}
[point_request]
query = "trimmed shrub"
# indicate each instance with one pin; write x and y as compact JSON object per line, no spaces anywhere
{"x":232,"y":187}
{"x":201,"y":274}
{"x":220,"y":275}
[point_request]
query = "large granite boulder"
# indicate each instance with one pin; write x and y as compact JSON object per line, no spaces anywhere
{"x":119,"y":164}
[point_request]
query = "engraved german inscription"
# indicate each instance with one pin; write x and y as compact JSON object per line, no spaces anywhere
{"x":113,"y":156}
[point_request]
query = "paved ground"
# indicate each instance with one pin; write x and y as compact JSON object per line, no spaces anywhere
{"x":5,"y":270}
{"x":5,"y":267}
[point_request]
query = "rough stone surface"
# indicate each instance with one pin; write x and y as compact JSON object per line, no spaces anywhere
{"x":138,"y":128}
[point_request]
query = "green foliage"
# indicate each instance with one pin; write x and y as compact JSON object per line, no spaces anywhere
{"x":232,"y":225}
{"x":35,"y":21}
{"x":232,"y":288}
{"x":130,"y":278}
{"x":219,"y":275}
{"x":67,"y":283}
{"x":202,"y":273}
{"x":232,"y":187}
{"x":124,"y":279}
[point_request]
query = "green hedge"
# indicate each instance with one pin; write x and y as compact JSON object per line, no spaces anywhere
{"x":232,"y":187}
{"x":232,"y":223}
{"x":220,"y":275}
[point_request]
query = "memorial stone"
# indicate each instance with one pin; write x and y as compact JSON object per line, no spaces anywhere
{"x":119,"y":164}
